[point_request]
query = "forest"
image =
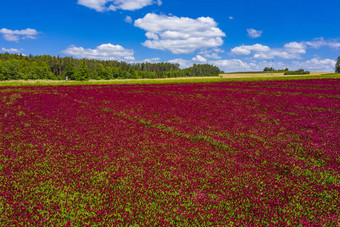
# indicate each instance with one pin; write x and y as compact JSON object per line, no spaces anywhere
{"x":21,"y":67}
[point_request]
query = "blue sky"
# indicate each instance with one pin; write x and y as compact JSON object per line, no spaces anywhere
{"x":241,"y":35}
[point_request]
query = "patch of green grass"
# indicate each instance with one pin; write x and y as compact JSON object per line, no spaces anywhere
{"x":165,"y":81}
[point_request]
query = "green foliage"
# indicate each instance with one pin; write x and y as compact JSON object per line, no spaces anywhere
{"x":297,"y":72}
{"x":102,"y":73}
{"x":3,"y":71}
{"x":69,"y":72}
{"x":271,"y":69}
{"x":337,"y":66}
{"x":268,"y":69}
{"x":82,"y":72}
{"x":204,"y":70}
{"x":16,"y":66}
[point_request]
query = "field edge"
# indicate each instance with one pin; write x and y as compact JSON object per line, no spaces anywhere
{"x":161,"y":81}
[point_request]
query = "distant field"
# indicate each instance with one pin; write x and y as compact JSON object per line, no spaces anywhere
{"x":222,"y":78}
{"x":262,"y":74}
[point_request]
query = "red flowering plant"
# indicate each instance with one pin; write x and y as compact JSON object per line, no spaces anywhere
{"x":234,"y":153}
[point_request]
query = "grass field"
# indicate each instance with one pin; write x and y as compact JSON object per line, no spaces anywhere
{"x":250,"y":153}
{"x":221,"y":78}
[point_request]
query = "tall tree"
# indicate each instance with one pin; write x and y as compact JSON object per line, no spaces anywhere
{"x":337,"y":66}
{"x":83,"y":72}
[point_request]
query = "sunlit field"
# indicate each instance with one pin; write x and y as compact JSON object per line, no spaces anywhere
{"x":254,"y":153}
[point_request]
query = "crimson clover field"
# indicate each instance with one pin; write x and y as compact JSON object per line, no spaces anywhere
{"x":201,"y":154}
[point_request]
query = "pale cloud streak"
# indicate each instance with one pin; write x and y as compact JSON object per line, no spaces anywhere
{"x":321,"y":42}
{"x":152,"y":60}
{"x":252,"y":33}
{"x":11,"y":50}
{"x":291,"y":50}
{"x":113,"y":5}
{"x":102,"y":52}
{"x":16,"y":35}
{"x":128,"y":19}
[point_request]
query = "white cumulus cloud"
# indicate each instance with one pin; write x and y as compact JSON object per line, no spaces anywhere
{"x":316,"y":65}
{"x":113,"y":5}
{"x":234,"y":65}
{"x":182,"y":62}
{"x":248,"y":49}
{"x":199,"y":59}
{"x":16,"y":35}
{"x":103,"y":52}
{"x":294,"y":47}
{"x":180,"y":35}
{"x":254,"y":33}
{"x":291,"y":50}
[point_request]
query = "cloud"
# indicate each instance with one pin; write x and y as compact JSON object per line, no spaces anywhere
{"x":315,"y":64}
{"x":276,"y":53}
{"x":180,"y":35}
{"x":211,"y":54}
{"x":296,"y":48}
{"x":11,"y":50}
{"x":200,"y":59}
{"x":320,"y":42}
{"x":102,"y":52}
{"x":128,"y":19}
{"x":227,"y":65}
{"x":182,"y":62}
{"x":247,"y":50}
{"x":113,"y":5}
{"x":152,"y":60}
{"x":234,"y":65}
{"x":291,"y":50}
{"x":254,"y":33}
{"x":16,"y":35}
{"x":237,"y":65}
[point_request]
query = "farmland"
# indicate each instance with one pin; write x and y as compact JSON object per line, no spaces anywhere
{"x":211,"y":154}
{"x":265,"y":74}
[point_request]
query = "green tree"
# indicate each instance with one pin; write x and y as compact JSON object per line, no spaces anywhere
{"x":133,"y":73}
{"x":4,"y":74}
{"x":83,"y":72}
{"x":13,"y":66}
{"x":337,"y":66}
{"x":69,"y":72}
{"x":268,"y":69}
{"x":102,"y":72}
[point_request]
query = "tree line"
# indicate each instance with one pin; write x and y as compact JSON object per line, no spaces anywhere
{"x":337,"y":66}
{"x":18,"y":67}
